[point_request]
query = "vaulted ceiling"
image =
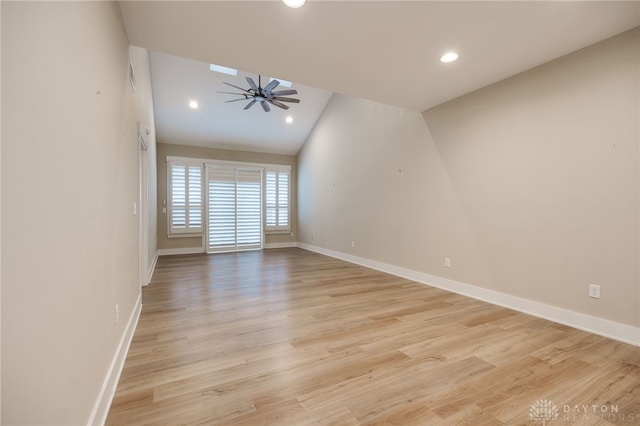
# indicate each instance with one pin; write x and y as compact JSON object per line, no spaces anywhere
{"x":386,"y":51}
{"x":222,"y":124}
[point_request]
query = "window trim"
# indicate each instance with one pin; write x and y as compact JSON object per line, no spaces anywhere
{"x":203,"y":163}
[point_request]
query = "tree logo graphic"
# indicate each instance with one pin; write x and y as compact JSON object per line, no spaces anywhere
{"x":543,"y":410}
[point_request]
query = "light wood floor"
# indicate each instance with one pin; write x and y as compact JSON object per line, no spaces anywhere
{"x":289,"y":337}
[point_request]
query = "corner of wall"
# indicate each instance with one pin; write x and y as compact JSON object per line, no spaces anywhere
{"x":102,"y":405}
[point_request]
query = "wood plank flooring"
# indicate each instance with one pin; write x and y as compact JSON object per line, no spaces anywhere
{"x":290,"y":337}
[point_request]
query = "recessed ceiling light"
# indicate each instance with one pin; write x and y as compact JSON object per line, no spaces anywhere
{"x":294,"y":3}
{"x":289,"y":119}
{"x":223,"y":70}
{"x":193,"y":105}
{"x":448,"y":57}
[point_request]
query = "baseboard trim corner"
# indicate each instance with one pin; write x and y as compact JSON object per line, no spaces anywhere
{"x":103,"y":403}
{"x":600,"y":326}
{"x":152,"y":268}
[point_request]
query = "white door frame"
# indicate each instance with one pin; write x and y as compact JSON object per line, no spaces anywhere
{"x":143,"y":210}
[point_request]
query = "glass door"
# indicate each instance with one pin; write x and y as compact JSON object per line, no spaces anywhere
{"x":234,"y":208}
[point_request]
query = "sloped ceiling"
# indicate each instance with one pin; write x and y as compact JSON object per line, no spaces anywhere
{"x":216,"y":123}
{"x":386,"y":51}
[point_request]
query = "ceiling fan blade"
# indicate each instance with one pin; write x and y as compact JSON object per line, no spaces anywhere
{"x":265,"y":106}
{"x":252,"y":84}
{"x":250,"y":104}
{"x":234,"y":93}
{"x":285,"y":92}
{"x":237,"y":87}
{"x":272,"y":85}
{"x":281,"y":99}
{"x":278,"y":104}
{"x":235,"y":100}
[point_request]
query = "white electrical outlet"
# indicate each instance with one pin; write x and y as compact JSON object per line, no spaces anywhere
{"x":594,"y":291}
{"x":353,"y":244}
{"x":117,"y":313}
{"x":447,"y":262}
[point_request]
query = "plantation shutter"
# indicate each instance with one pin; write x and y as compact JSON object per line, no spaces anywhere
{"x":271,"y":199}
{"x":185,"y":198}
{"x":194,"y":200}
{"x":277,"y":200}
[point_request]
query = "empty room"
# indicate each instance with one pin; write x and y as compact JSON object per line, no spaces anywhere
{"x":281,"y":212}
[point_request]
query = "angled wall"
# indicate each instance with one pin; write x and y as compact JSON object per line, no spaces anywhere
{"x":530,"y":186}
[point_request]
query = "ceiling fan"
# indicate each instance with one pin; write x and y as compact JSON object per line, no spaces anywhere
{"x":263,"y":95}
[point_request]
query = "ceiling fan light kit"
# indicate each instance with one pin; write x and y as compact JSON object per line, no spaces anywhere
{"x":263,"y":95}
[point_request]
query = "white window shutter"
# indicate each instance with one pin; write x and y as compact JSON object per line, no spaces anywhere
{"x":283,"y":200}
{"x":271,"y":199}
{"x":195,"y":197}
{"x":185,"y":198}
{"x":277,"y":200}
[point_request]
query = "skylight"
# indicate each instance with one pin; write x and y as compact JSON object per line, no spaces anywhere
{"x":223,"y":70}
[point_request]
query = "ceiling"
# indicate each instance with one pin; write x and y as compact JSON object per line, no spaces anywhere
{"x":215,"y":123}
{"x":386,"y":51}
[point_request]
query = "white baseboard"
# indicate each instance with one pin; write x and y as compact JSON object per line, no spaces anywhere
{"x":107,"y":391}
{"x":603,"y":327}
{"x":199,"y":250}
{"x":280,"y":245}
{"x":152,"y":268}
{"x":184,"y":250}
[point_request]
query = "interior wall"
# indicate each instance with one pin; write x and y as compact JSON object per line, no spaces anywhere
{"x":69,"y":183}
{"x":196,"y":243}
{"x":0,"y":227}
{"x":530,"y":186}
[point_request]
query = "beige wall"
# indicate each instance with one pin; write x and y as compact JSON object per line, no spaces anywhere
{"x":0,"y":230}
{"x":165,"y":149}
{"x":69,"y":182}
{"x":530,"y":186}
